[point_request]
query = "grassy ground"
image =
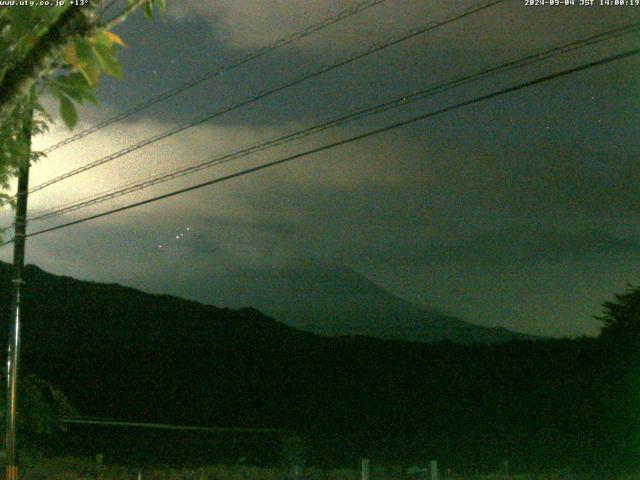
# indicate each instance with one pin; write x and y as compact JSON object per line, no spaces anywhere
{"x":77,"y":468}
{"x":87,"y":469}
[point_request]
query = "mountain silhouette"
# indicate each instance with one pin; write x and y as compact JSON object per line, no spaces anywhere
{"x":339,"y":301}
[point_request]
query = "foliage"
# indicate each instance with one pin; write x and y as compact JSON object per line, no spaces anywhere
{"x":84,"y":59}
{"x":61,"y":49}
{"x":41,"y":406}
{"x":621,"y":318}
{"x":619,"y":373}
{"x":14,"y":146}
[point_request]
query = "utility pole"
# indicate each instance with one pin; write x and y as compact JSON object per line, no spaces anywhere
{"x":17,"y":281}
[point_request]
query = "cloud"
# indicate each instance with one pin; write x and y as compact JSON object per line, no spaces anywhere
{"x":333,"y":170}
{"x":366,"y":200}
{"x":251,"y":24}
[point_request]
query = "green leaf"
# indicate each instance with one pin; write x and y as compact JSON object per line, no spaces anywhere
{"x":68,"y":112}
{"x":91,"y":72}
{"x":59,"y":89}
{"x":69,"y":55}
{"x":101,"y":38}
{"x":76,"y":83}
{"x":161,"y":5}
{"x":21,"y":19}
{"x":54,"y":89}
{"x":74,"y":86}
{"x":148,"y":9}
{"x":84,"y":54}
{"x":88,"y":64}
{"x":108,"y":60}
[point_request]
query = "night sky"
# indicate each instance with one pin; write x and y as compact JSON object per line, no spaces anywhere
{"x":522,"y":211}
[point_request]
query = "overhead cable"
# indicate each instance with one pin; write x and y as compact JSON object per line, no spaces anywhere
{"x":216,"y":72}
{"x":377,"y":131}
{"x":340,"y":120}
{"x":254,"y":98}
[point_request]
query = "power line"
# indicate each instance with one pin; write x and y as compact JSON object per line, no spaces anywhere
{"x":369,"y":51}
{"x":282,"y":42}
{"x":164,"y":426}
{"x":520,"y":86}
{"x":396,"y":102}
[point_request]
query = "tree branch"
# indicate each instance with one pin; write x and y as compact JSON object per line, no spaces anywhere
{"x":73,"y":23}
{"x":122,"y":16}
{"x":18,"y":81}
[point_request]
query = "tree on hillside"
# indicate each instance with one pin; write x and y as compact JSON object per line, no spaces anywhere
{"x":617,"y":392}
{"x":621,"y":318}
{"x":42,"y":407}
{"x":61,"y":50}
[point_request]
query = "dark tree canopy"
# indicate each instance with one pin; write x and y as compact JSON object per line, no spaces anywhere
{"x":42,"y":406}
{"x":621,"y":318}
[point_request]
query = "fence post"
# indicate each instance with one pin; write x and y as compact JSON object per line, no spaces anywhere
{"x":433,"y":469}
{"x":366,"y":469}
{"x":294,"y":454}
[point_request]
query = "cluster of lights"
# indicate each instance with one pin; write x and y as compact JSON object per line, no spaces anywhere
{"x":178,"y":237}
